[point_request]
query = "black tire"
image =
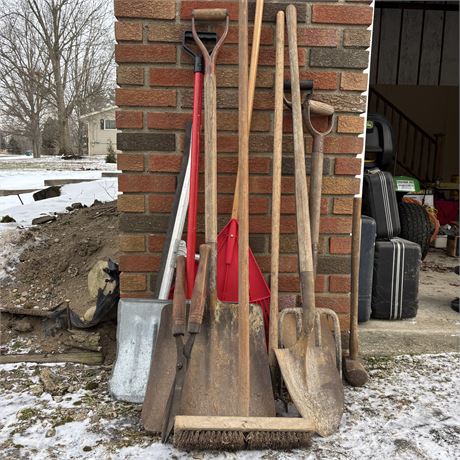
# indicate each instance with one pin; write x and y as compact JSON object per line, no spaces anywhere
{"x":415,"y":225}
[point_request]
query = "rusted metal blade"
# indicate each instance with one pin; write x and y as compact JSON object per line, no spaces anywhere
{"x":211,"y":384}
{"x":313,"y":381}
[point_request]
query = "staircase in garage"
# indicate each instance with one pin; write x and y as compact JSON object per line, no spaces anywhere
{"x":417,"y":153}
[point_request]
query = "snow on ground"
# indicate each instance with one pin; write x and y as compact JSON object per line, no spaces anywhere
{"x":408,"y":410}
{"x":25,"y":173}
{"x":55,"y":163}
{"x":82,"y":192}
{"x":35,"y":178}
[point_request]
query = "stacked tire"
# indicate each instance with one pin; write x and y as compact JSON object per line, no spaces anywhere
{"x":415,"y":225}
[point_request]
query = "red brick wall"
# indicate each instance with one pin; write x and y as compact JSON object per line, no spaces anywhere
{"x":155,"y":81}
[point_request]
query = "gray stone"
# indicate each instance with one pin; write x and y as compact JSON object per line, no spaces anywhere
{"x":43,"y":220}
{"x":345,"y":59}
{"x":49,"y":192}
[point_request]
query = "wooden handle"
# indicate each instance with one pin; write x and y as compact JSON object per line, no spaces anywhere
{"x":303,"y":217}
{"x":320,"y":108}
{"x":254,"y":58}
{"x":178,"y":312}
{"x":316,"y":182}
{"x":210,"y":179}
{"x":276,"y":190}
{"x":355,"y":257}
{"x":243,"y":227}
{"x":210,"y":14}
{"x":199,"y":291}
{"x":251,"y":87}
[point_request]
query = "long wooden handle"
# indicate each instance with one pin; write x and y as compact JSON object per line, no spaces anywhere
{"x":307,"y":279}
{"x":178,"y":312}
{"x":199,"y":291}
{"x":243,"y":227}
{"x":254,"y":57}
{"x":276,"y":191}
{"x":355,"y":257}
{"x":316,"y":181}
{"x":251,"y":86}
{"x":210,"y":179}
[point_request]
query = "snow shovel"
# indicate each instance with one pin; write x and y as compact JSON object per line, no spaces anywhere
{"x":227,"y":240}
{"x":308,"y":367}
{"x":211,"y":386}
{"x":139,"y":319}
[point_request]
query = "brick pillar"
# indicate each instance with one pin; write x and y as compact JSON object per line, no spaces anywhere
{"x":154,"y":97}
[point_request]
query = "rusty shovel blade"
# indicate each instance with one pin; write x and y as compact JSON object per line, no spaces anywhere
{"x":312,"y":379}
{"x":211,"y":386}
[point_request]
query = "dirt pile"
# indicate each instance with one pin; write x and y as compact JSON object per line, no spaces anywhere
{"x":52,"y":266}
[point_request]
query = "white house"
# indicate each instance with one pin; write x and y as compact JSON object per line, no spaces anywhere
{"x":101,"y":130}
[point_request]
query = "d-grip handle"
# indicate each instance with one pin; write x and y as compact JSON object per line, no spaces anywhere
{"x":199,"y":291}
{"x":210,"y":15}
{"x":178,"y":312}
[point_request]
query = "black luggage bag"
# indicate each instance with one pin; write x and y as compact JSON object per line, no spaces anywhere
{"x":379,"y":202}
{"x":395,"y":279}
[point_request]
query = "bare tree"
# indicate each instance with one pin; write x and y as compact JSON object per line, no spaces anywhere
{"x":77,"y":35}
{"x":23,"y":78}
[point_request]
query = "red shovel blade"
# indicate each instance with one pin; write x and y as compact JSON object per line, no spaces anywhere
{"x":227,"y":272}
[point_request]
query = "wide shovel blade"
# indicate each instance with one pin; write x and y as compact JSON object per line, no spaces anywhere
{"x":211,"y":386}
{"x":138,"y":323}
{"x":313,"y":381}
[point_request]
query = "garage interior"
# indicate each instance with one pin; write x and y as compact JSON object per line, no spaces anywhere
{"x":414,"y":79}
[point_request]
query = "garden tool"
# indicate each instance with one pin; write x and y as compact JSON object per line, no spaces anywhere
{"x":353,"y":370}
{"x":210,"y":39}
{"x":139,"y":319}
{"x":308,"y":367}
{"x":212,"y":384}
{"x":184,"y":349}
{"x":276,"y":196}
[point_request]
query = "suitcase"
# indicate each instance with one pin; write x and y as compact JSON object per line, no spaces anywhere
{"x":379,"y":202}
{"x":366,"y":264}
{"x":396,"y":278}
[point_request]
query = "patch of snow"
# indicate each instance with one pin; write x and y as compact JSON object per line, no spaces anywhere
{"x":408,"y":410}
{"x":83,"y":192}
{"x":18,"y":179}
{"x":9,"y":256}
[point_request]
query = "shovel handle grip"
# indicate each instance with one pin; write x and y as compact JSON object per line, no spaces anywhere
{"x":178,"y":313}
{"x":210,"y":14}
{"x":320,"y":108}
{"x":199,"y":291}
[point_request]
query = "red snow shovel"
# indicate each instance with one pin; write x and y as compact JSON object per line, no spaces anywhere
{"x":227,"y":240}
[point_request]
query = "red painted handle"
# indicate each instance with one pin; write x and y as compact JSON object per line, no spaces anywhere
{"x":193,"y":199}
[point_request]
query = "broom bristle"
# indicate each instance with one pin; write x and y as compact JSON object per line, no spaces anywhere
{"x":240,"y":440}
